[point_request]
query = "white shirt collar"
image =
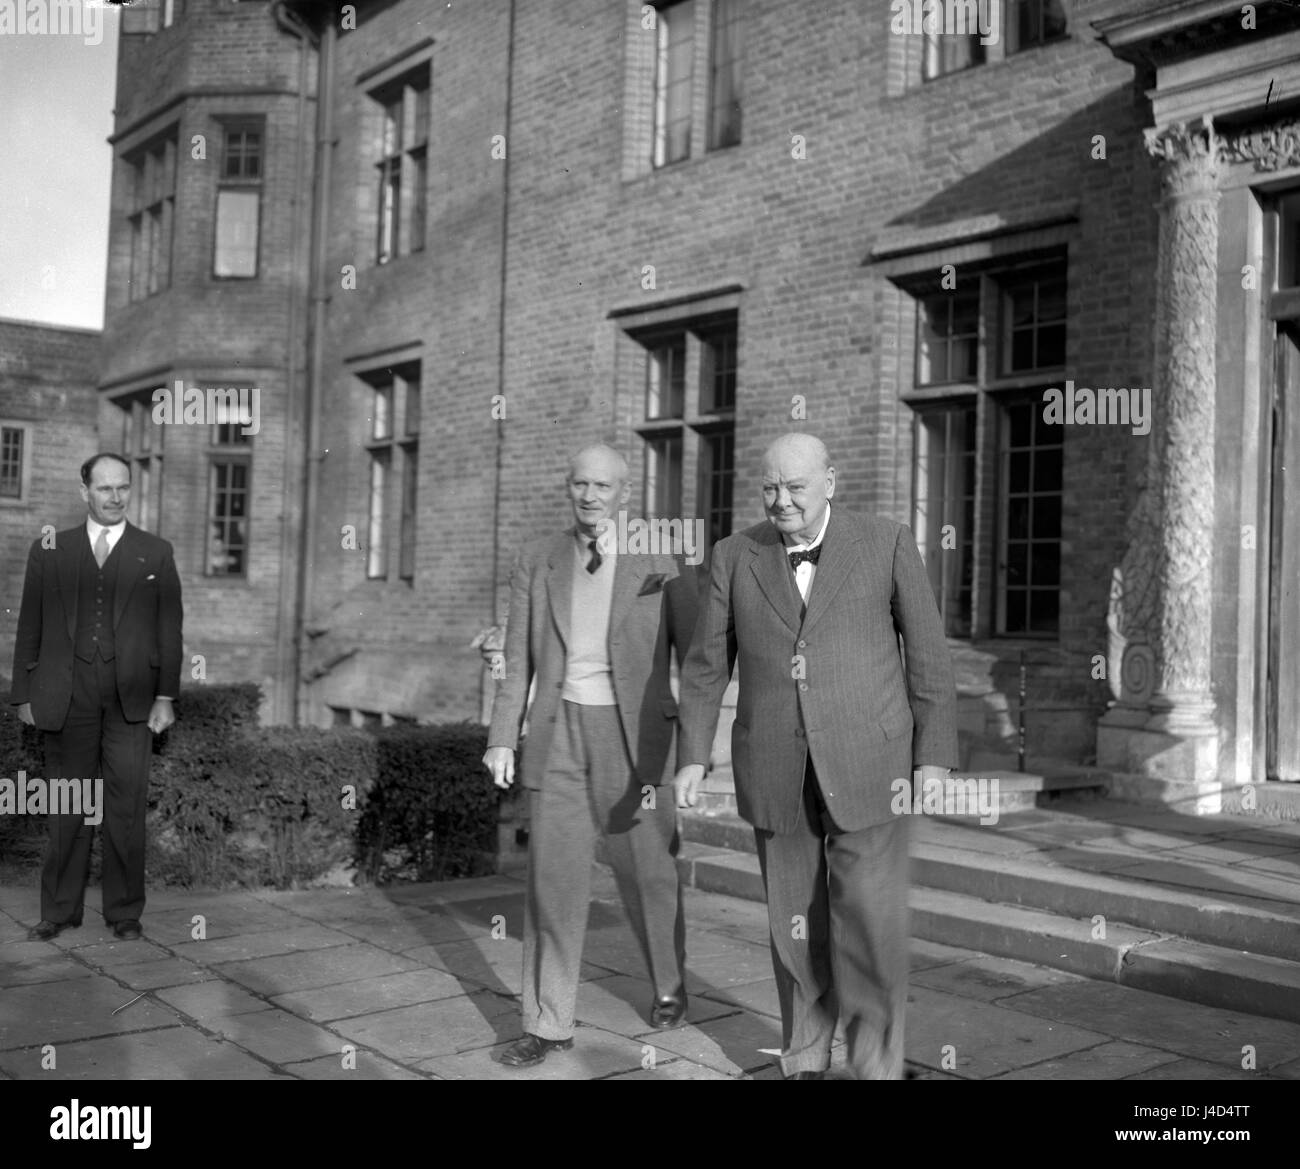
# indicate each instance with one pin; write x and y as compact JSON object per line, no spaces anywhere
{"x":826,"y":519}
{"x":93,"y":528}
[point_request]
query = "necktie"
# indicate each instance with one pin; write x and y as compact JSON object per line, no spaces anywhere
{"x":596,"y":558}
{"x":101,"y":547}
{"x":811,"y":555}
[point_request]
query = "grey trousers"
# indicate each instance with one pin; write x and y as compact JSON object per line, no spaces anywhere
{"x":589,"y":790}
{"x":838,"y":915}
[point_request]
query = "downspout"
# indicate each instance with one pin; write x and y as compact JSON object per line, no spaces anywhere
{"x":287,"y":663}
{"x":319,"y":303}
{"x":501,"y":322}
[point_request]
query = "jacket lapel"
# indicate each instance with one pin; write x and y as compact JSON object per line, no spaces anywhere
{"x":129,"y":564}
{"x":629,"y":571}
{"x":839,"y":549}
{"x":67,"y":555}
{"x":771,"y":568}
{"x":559,"y":582}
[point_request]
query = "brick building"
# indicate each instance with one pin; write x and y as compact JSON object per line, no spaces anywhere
{"x":47,"y":430}
{"x":450,"y":244}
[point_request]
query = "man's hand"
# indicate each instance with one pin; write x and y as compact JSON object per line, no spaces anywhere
{"x":500,"y":761}
{"x":686,"y":784}
{"x":25,"y":713}
{"x":161,"y":715}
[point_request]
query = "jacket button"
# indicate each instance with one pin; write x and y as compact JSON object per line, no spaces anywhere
{"x":802,"y":643}
{"x":798,"y":732}
{"x":803,"y":685}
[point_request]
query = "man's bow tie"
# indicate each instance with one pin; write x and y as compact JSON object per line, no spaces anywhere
{"x":810,"y":555}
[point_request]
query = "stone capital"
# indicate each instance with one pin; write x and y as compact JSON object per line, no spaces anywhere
{"x":1190,"y":154}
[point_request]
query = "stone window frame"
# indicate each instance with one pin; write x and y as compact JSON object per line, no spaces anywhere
{"x":26,"y":429}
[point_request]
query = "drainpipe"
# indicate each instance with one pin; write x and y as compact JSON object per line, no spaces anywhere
{"x":501,"y":322}
{"x":287,"y":663}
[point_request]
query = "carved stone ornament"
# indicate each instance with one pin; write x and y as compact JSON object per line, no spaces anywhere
{"x":1272,"y":147}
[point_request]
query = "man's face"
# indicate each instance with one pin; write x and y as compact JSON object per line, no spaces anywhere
{"x":596,"y":491}
{"x":795,"y":490}
{"x":109,"y":491}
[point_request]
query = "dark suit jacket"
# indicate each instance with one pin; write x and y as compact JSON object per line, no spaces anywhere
{"x":147,"y":616}
{"x":832,"y":684}
{"x":652,"y":611}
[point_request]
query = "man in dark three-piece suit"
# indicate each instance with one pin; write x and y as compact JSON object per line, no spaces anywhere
{"x":97,"y":662}
{"x":812,"y":605}
{"x":594,"y":624}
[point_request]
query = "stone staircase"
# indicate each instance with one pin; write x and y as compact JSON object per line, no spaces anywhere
{"x":1200,"y":907}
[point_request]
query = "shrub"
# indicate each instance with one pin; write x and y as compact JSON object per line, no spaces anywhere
{"x":432,"y":814}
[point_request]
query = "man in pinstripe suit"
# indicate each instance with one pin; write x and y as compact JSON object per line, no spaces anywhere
{"x":846,"y":685}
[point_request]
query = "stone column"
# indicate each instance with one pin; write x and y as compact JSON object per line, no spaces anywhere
{"x":1183,"y":406}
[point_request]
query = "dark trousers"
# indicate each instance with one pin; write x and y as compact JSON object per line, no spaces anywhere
{"x":97,"y":741}
{"x":838,"y":914}
{"x":589,"y":790}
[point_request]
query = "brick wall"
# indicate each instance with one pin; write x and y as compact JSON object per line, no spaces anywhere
{"x":47,"y":386}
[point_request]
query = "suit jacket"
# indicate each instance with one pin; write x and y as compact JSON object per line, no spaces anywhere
{"x":147,"y":616}
{"x":833,"y":683}
{"x":652,"y":611}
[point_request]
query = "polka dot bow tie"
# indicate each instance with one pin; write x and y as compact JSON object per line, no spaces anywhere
{"x":811,"y":555}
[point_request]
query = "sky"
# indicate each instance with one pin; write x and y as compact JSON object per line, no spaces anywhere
{"x":56,"y":113}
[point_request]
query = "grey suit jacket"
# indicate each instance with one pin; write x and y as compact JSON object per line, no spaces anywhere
{"x":652,"y":612}
{"x":833,"y":683}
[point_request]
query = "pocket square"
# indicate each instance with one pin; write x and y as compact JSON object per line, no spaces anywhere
{"x":653,"y":583}
{"x":152,"y":576}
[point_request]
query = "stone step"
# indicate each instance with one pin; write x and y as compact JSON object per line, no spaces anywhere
{"x":1184,"y":967}
{"x":1238,"y":923}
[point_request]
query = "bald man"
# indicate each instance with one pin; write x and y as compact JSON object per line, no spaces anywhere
{"x":846,"y":685}
{"x":596,"y":627}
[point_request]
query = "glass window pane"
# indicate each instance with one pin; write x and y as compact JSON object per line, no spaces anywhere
{"x":236,"y":243}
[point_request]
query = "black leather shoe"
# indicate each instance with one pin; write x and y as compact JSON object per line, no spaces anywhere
{"x":128,"y":930}
{"x":668,"y":1010}
{"x":807,"y":1076}
{"x":531,"y":1050}
{"x":43,"y":931}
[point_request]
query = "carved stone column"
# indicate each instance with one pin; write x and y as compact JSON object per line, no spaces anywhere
{"x":1185,"y":330}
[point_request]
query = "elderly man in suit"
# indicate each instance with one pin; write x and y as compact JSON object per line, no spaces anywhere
{"x":831,"y":711}
{"x":594,"y":625}
{"x":97,"y":661}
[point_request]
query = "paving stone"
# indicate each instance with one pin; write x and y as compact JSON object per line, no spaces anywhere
{"x":163,"y":972}
{"x":211,"y":1000}
{"x":738,"y":963}
{"x":240,"y":947}
{"x":60,"y":1012}
{"x":487,"y":963}
{"x":11,"y":930}
{"x":1284,"y":865}
{"x":1192,"y":1069}
{"x":365,"y":1066}
{"x":176,"y":927}
{"x":621,"y":1004}
{"x":1231,"y":852}
{"x":925,"y":954}
{"x":169,"y":1053}
{"x":371,"y":994}
{"x":674,"y":1069}
{"x":416,"y":1033}
{"x":54,"y":968}
{"x":988,"y":1039}
{"x":1106,"y":1061}
{"x":730,"y":1044}
{"x":1287,"y":1071}
{"x":435,"y":895}
{"x":726,"y":915}
{"x":990,"y":979}
{"x":110,"y":955}
{"x":410,"y":932}
{"x":308,"y":969}
{"x":759,"y":997}
{"x":615,"y":949}
{"x":595,"y":1054}
{"x":1155,"y":1020}
{"x":278,"y":1036}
